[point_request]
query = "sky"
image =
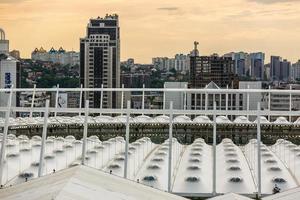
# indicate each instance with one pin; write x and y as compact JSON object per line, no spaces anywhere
{"x":152,"y":28}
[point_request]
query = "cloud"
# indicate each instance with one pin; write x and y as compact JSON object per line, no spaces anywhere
{"x":168,"y":8}
{"x":274,"y":1}
{"x":11,"y":1}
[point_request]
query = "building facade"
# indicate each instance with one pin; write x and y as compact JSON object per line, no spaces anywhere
{"x":295,"y":71}
{"x":9,"y":72}
{"x":60,"y":56}
{"x":257,"y":62}
{"x":279,"y":69}
{"x":100,"y":60}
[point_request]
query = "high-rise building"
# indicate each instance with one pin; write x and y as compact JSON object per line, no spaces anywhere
{"x":100,"y":60}
{"x":241,"y":63}
{"x":60,"y":56}
{"x":4,"y":44}
{"x":9,"y":72}
{"x":279,"y":69}
{"x":257,"y":65}
{"x":295,"y":71}
{"x":180,"y":63}
{"x":211,"y":72}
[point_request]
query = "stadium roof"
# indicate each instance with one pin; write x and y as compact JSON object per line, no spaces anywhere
{"x":81,"y":182}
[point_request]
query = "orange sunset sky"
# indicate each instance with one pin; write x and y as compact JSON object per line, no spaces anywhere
{"x":152,"y":28}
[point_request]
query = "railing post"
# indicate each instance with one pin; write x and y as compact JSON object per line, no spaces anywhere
{"x":185,"y":97}
{"x":5,"y":132}
{"x":127,"y":138}
{"x":32,"y":100}
{"x":143,"y":100}
{"x":56,"y":100}
{"x":248,"y":101}
{"x":226,"y":99}
{"x":164,"y":97}
{"x":290,"y":104}
{"x":170,"y":147}
{"x":101,"y":98}
{"x":80,"y":98}
{"x":85,"y":131}
{"x":269,"y":104}
{"x":122,"y":99}
{"x":44,"y":137}
{"x":214,"y":151}
{"x":258,"y":151}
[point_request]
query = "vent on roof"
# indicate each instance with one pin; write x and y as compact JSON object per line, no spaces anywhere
{"x":153,"y":167}
{"x":35,"y":164}
{"x":36,"y":138}
{"x":197,"y":145}
{"x":10,"y":145}
{"x":195,"y":154}
{"x":99,"y":146}
{"x":12,"y":155}
{"x":193,"y":167}
{"x":132,"y":148}
{"x":36,"y":145}
{"x":236,"y":180}
{"x":149,"y":178}
{"x":291,"y":145}
{"x":114,"y":166}
{"x":274,"y":169}
{"x":234,"y":168}
{"x":157,"y":159}
{"x":58,"y":151}
{"x":192,"y":179}
{"x":229,"y":150}
{"x":74,"y":164}
{"x":106,"y":143}
{"x":267,"y":155}
{"x":279,"y":180}
{"x":49,"y":142}
{"x":24,"y":142}
{"x":160,"y":153}
{"x":48,"y":157}
{"x":164,"y":148}
{"x":25,"y":150}
{"x":195,"y":160}
{"x":228,"y":145}
{"x":231,"y":154}
{"x":77,"y":142}
{"x":60,"y":139}
{"x":263,"y":150}
{"x":26,"y":175}
{"x":296,"y":150}
{"x":136,"y":144}
{"x":119,"y":158}
{"x":67,"y":146}
{"x":270,"y":161}
{"x":92,"y":152}
{"x":196,"y":149}
{"x":232,"y":161}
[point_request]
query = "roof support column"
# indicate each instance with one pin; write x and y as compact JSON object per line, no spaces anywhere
{"x":290,"y":117}
{"x":80,"y":98}
{"x":143,"y":100}
{"x":101,"y":99}
{"x":56,"y":100}
{"x":170,"y":147}
{"x":127,"y":138}
{"x":226,"y":100}
{"x":248,"y":102}
{"x":258,"y":151}
{"x":269,"y":104}
{"x":122,"y":99}
{"x":44,"y":137}
{"x":85,"y":131}
{"x":185,"y":97}
{"x":32,"y":100}
{"x":214,"y":151}
{"x":5,"y":131}
{"x":164,"y":98}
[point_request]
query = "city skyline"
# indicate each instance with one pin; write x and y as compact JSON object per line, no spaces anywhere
{"x":236,"y":25}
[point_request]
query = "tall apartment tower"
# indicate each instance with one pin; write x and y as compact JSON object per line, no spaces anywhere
{"x":100,"y":60}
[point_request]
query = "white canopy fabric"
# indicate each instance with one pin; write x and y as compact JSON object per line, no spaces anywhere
{"x":81,"y":183}
{"x":292,"y":194}
{"x":230,"y":196}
